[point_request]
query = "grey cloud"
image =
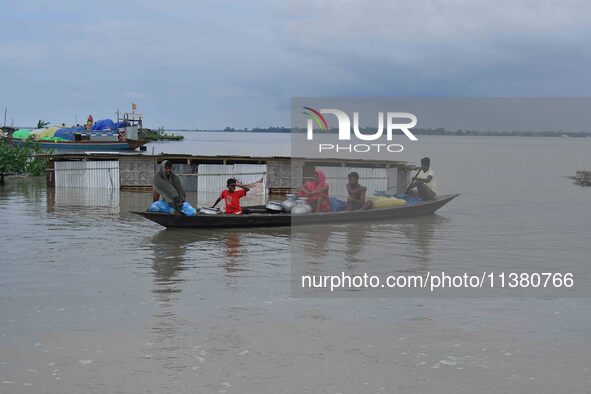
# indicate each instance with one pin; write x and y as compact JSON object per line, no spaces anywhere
{"x":217,"y":63}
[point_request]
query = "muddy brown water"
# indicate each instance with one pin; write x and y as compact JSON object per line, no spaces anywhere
{"x":94,"y":299}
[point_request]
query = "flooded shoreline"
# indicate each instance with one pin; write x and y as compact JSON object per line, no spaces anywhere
{"x":96,"y":299}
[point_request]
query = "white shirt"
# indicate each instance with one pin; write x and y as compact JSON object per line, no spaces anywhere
{"x":431,"y":185}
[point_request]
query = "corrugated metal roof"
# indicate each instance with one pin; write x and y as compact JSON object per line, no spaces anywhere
{"x":156,"y":156}
{"x":116,"y":155}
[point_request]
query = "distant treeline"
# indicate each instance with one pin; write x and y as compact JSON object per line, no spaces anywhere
{"x":442,"y":131}
{"x":438,"y":131}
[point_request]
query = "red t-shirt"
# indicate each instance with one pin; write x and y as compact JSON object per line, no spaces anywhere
{"x":232,"y":200}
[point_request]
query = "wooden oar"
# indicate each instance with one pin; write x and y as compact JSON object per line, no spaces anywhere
{"x":413,"y":181}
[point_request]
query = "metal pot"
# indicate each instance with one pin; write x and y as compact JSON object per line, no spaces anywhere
{"x":209,"y":211}
{"x":304,"y":202}
{"x":300,"y":208}
{"x":289,"y":203}
{"x":274,"y":207}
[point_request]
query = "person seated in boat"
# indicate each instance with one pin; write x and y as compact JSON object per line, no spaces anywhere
{"x":424,"y":185}
{"x":169,"y":195}
{"x":356,"y":200}
{"x":316,"y":191}
{"x":232,"y":196}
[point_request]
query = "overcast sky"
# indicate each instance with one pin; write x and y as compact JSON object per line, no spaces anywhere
{"x":211,"y":64}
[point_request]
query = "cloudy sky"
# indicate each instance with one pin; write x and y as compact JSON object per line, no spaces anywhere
{"x":211,"y":64}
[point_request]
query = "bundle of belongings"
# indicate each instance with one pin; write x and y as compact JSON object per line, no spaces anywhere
{"x":172,"y":196}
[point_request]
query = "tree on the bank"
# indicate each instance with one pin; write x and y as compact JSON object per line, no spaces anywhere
{"x":41,"y":124}
{"x":20,"y":160}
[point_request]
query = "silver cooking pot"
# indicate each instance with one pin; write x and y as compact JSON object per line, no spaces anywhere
{"x":209,"y":211}
{"x":274,"y":206}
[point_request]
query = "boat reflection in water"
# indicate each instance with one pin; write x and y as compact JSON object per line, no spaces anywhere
{"x":382,"y":248}
{"x":168,"y":262}
{"x":233,"y":253}
{"x":192,"y":269}
{"x":403,"y":245}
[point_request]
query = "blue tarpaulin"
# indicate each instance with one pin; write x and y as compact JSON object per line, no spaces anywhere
{"x":103,"y":124}
{"x":67,"y":133}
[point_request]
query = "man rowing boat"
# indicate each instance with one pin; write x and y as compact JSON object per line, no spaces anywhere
{"x":425,"y":185}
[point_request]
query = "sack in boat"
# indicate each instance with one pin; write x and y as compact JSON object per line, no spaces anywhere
{"x":161,"y":206}
{"x":408,"y":198}
{"x":164,"y":207}
{"x":386,"y":202}
{"x":337,"y":205}
{"x":188,"y":210}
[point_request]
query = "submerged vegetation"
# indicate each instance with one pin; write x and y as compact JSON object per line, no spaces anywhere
{"x":20,"y":160}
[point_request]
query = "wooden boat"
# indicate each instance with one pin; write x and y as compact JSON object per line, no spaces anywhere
{"x":101,"y":146}
{"x":286,"y":219}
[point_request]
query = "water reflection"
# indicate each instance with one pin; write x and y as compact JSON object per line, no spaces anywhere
{"x":179,"y":255}
{"x":97,"y":202}
{"x":365,"y":246}
{"x":232,"y":250}
{"x":168,"y":262}
{"x":356,"y":239}
{"x":23,"y":190}
{"x":311,"y":240}
{"x":421,"y":232}
{"x":177,"y":250}
{"x":169,"y":249}
{"x":133,"y":201}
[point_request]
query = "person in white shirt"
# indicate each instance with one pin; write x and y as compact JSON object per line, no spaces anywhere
{"x":424,"y":186}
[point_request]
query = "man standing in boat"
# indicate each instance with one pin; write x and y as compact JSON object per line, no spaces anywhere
{"x":424,"y":186}
{"x":232,"y":197}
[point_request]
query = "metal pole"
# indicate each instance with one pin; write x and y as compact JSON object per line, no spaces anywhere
{"x":5,"y":110}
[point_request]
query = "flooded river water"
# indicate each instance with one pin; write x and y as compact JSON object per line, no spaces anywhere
{"x":94,"y":299}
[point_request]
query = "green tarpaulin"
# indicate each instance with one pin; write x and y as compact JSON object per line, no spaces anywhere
{"x":21,"y":134}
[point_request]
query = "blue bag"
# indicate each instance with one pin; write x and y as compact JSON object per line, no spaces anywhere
{"x":408,"y":198}
{"x":188,"y":210}
{"x":161,"y":206}
{"x":164,"y":207}
{"x":336,"y":205}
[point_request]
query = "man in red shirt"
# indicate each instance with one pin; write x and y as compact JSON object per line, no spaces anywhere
{"x":232,"y":196}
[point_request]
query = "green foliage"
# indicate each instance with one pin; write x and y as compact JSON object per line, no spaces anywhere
{"x":20,"y":160}
{"x":160,"y":135}
{"x":41,"y":124}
